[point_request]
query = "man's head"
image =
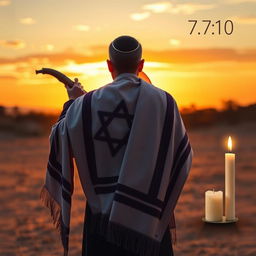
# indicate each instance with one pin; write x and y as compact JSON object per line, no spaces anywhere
{"x":125,"y":56}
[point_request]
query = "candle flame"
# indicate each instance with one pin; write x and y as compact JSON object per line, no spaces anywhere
{"x":229,"y":144}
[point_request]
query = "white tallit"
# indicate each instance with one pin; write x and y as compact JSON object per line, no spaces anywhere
{"x":133,"y":157}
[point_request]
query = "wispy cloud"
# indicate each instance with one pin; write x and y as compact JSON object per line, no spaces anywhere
{"x":14,"y":44}
{"x":174,"y":42}
{"x":158,"y":7}
{"x":5,"y":2}
{"x":179,"y":55}
{"x":49,"y":47}
{"x":191,"y":8}
{"x":81,"y":27}
{"x":60,"y":58}
{"x":176,"y":62}
{"x":27,"y":21}
{"x":239,"y":1}
{"x":245,"y":19}
{"x":167,"y":7}
{"x":140,"y":16}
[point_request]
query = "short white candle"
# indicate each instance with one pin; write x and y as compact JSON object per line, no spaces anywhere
{"x":230,"y":183}
{"x":213,"y":205}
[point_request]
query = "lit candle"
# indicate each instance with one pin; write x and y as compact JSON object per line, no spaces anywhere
{"x":213,"y":205}
{"x":230,"y":183}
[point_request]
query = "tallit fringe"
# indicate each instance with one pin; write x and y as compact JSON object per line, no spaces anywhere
{"x":98,"y":224}
{"x":53,"y":206}
{"x":133,"y":241}
{"x":130,"y":240}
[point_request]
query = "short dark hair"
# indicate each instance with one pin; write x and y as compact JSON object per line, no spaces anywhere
{"x":125,"y":53}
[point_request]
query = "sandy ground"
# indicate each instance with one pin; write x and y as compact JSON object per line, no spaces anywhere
{"x":26,"y":227}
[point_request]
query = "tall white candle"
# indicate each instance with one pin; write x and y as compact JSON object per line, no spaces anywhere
{"x":213,"y":205}
{"x":230,"y":183}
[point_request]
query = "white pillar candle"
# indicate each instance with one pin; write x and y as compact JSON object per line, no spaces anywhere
{"x":230,"y":183}
{"x":213,"y":205}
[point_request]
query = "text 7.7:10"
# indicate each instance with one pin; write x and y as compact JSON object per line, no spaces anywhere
{"x":218,"y":27}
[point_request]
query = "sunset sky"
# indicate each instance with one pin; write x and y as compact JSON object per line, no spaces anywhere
{"x":73,"y":37}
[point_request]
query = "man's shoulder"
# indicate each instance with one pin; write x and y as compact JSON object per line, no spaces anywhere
{"x":155,"y":91}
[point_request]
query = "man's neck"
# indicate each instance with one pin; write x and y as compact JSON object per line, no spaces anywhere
{"x":125,"y":74}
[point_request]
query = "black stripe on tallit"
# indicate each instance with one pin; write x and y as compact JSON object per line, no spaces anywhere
{"x":180,"y":148}
{"x":137,"y":205}
{"x":89,"y":145}
{"x":140,"y":195}
{"x":59,"y":178}
{"x":105,"y":189}
{"x":163,"y":148}
{"x":176,"y":173}
{"x":54,"y":174}
{"x":66,"y":196}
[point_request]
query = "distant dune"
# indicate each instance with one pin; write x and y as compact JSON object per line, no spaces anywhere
{"x":38,"y":123}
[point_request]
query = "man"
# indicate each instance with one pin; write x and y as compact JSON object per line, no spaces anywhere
{"x":133,"y":157}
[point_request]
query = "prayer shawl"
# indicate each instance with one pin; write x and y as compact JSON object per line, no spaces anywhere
{"x":133,"y":157}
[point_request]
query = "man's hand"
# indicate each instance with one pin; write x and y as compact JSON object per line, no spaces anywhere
{"x":75,"y":91}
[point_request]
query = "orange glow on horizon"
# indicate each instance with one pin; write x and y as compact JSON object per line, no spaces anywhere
{"x":203,"y":84}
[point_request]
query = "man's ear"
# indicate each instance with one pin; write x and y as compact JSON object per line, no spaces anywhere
{"x":141,"y":64}
{"x":110,"y":66}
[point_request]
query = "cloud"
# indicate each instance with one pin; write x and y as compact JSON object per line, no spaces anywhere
{"x":158,"y":7}
{"x":167,"y":7}
{"x":174,"y":42}
{"x":8,"y":77}
{"x":240,"y":1}
{"x":190,"y":8}
{"x":27,"y":21}
{"x":5,"y":2}
{"x":245,"y":19}
{"x":14,"y":44}
{"x":177,"y":62}
{"x":59,"y":58}
{"x":81,"y":27}
{"x":140,"y":16}
{"x":49,"y":47}
{"x":173,"y":55}
{"x":202,"y":55}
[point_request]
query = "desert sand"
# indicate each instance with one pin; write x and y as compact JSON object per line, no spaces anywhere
{"x":26,"y":227}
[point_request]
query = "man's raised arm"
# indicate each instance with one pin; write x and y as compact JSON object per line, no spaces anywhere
{"x":74,"y":92}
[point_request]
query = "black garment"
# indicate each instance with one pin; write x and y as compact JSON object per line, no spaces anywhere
{"x":95,"y":245}
{"x":65,"y":108}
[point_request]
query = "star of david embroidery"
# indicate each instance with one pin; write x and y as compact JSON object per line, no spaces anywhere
{"x":106,"y":118}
